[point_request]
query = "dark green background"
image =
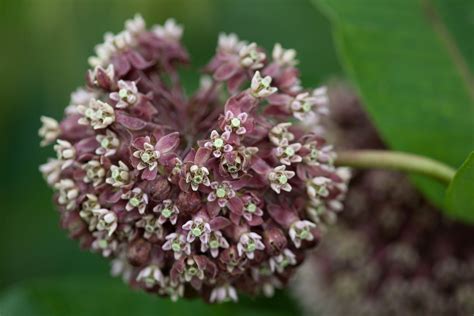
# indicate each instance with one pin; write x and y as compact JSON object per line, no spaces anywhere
{"x":44,"y":50}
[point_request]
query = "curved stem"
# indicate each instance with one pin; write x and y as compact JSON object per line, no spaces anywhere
{"x":385,"y":159}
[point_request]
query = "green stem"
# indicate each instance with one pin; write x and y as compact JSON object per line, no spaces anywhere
{"x":385,"y":159}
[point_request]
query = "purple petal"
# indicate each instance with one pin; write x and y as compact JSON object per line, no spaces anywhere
{"x":202,"y":155}
{"x":103,"y":79}
{"x":235,"y":82}
{"x":121,"y":65}
{"x":190,"y":156}
{"x":213,"y":209}
{"x":225,"y":71}
{"x":283,"y":216}
{"x":109,"y":196}
{"x":130,"y":122}
{"x":187,"y":225}
{"x":168,"y":142}
{"x":201,"y":262}
{"x":139,"y":142}
{"x":149,"y":175}
{"x":256,"y":221}
{"x":71,"y":130}
{"x":177,"y":269}
{"x":168,"y":159}
{"x":235,"y":205}
{"x":279,"y":99}
{"x":260,"y":166}
{"x":276,"y":110}
{"x":235,"y":218}
{"x":137,"y":60}
{"x":86,"y":145}
{"x":219,"y":223}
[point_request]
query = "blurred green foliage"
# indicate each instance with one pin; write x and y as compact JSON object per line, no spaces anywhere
{"x":413,"y":63}
{"x":44,"y":50}
{"x":100,"y":296}
{"x":459,"y":196}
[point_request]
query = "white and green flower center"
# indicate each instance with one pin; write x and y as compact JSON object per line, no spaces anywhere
{"x":232,"y":168}
{"x":149,"y":227}
{"x":214,"y":244}
{"x":145,"y":157}
{"x":284,"y":263}
{"x":251,"y":247}
{"x":103,"y":243}
{"x":122,"y":175}
{"x":176,"y":246}
{"x":218,"y":143}
{"x":197,"y":179}
{"x":304,"y":233}
{"x":282,"y":179}
{"x":90,"y":113}
{"x":289,"y":151}
{"x":323,"y":191}
{"x":119,"y":175}
{"x":192,"y":271}
{"x":105,"y":143}
{"x":306,"y":107}
{"x":166,"y":212}
{"x":115,"y":173}
{"x":123,"y":93}
{"x":235,"y":122}
{"x":134,"y":201}
{"x":221,"y":193}
{"x":251,"y":208}
{"x":197,"y":231}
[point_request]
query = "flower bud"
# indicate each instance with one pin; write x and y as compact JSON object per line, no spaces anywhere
{"x":160,"y":189}
{"x":73,"y":223}
{"x":189,"y":202}
{"x":274,"y":240}
{"x":139,"y":252}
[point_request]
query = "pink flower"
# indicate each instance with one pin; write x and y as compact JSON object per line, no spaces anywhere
{"x":127,"y":94}
{"x":249,"y":243}
{"x":197,"y":228}
{"x":251,"y":211}
{"x":178,"y":244}
{"x":168,"y":212}
{"x":216,"y":241}
{"x":210,"y":194}
{"x":146,"y":156}
{"x":218,"y":143}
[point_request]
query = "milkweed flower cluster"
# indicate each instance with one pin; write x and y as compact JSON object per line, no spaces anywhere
{"x":207,"y":195}
{"x":392,"y":252}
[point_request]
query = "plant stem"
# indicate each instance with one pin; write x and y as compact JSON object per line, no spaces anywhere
{"x":385,"y":159}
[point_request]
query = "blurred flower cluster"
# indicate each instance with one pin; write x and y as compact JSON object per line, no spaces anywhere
{"x":206,"y":195}
{"x":393,"y":253}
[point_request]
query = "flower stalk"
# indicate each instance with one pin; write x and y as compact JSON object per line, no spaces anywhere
{"x":394,"y":160}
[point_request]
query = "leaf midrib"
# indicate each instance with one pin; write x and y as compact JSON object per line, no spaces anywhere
{"x":447,"y":40}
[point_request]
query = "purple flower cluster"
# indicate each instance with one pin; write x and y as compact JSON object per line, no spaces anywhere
{"x":205,"y":195}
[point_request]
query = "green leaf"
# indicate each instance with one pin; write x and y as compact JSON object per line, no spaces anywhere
{"x":460,"y":194}
{"x":410,"y":61}
{"x":98,"y":296}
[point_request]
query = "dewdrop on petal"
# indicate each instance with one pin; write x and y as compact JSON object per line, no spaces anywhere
{"x":200,"y":195}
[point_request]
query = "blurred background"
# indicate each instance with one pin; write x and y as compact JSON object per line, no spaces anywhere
{"x":412,"y":62}
{"x":44,"y":57}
